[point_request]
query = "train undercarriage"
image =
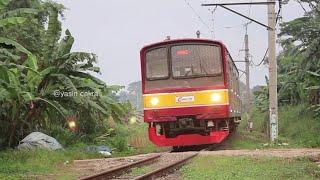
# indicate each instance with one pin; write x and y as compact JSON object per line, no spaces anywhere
{"x":189,"y":131}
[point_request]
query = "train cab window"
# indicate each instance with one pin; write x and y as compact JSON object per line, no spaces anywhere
{"x":196,"y":60}
{"x":157,"y":64}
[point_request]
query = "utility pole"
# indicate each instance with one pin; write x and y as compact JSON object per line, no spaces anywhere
{"x":273,"y":96}
{"x":248,"y":94}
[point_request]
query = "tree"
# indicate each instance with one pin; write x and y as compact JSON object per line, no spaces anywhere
{"x":299,"y":63}
{"x":29,"y":79}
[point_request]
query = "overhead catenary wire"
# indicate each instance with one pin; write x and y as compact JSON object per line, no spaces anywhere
{"x":242,"y":75}
{"x":213,"y":21}
{"x":298,"y":1}
{"x":245,"y":25}
{"x":279,"y":10}
{"x":263,"y":59}
{"x":248,"y":16}
{"x":277,"y":20}
{"x":198,"y":16}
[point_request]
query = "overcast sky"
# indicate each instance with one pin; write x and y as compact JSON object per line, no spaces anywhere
{"x":116,"y":30}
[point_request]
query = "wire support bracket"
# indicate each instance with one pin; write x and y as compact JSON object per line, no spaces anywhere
{"x":224,"y":6}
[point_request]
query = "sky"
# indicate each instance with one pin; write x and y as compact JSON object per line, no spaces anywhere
{"x":116,"y":30}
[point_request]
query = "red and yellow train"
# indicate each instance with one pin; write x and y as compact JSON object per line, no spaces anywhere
{"x":190,"y":91}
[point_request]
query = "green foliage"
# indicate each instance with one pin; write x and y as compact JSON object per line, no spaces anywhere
{"x":12,"y":21}
{"x":25,"y":164}
{"x":299,"y":126}
{"x":132,"y":94}
{"x":261,"y":99}
{"x":35,"y":65}
{"x":299,"y":61}
{"x":208,"y":167}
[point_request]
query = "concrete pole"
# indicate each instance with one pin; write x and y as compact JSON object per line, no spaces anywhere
{"x":248,"y":94}
{"x":273,"y":96}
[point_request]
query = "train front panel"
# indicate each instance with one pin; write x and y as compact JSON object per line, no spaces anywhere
{"x":185,"y":91}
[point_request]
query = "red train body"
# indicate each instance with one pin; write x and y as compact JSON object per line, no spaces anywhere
{"x":191,"y":92}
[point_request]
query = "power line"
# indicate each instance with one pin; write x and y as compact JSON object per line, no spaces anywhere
{"x":279,"y":10}
{"x":277,"y":20}
{"x":245,"y":26}
{"x":250,"y":10}
{"x":263,"y":59}
{"x":241,"y":75}
{"x":212,"y":19}
{"x":302,"y":6}
{"x":199,"y":17}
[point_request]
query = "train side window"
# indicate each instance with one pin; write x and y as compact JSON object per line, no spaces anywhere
{"x":230,"y":77}
{"x":157,"y":64}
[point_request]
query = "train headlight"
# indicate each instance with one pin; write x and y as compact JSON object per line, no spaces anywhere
{"x":216,"y":97}
{"x":154,"y":101}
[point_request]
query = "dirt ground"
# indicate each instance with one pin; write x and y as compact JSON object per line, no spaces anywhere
{"x":265,"y":152}
{"x":92,"y":166}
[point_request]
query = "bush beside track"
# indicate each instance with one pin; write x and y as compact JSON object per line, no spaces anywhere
{"x":298,"y":126}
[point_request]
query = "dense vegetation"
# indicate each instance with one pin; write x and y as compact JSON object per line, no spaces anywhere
{"x":43,"y":84}
{"x":297,"y":126}
{"x":28,"y":164}
{"x":299,"y":62}
{"x":299,"y":75}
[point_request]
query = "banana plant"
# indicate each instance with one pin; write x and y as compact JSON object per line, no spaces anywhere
{"x":30,"y":76}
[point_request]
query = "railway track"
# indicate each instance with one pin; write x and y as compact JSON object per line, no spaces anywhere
{"x":150,"y":167}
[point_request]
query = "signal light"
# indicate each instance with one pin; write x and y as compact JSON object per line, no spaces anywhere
{"x":72,"y":124}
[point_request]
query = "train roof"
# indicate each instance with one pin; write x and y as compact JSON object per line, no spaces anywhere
{"x":172,"y":41}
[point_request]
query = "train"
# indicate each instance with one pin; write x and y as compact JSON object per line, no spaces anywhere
{"x":190,"y":92}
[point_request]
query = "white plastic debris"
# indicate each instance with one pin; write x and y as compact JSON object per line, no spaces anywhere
{"x":104,"y":150}
{"x":105,"y":153}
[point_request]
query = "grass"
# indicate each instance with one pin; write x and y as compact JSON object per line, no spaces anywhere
{"x":245,"y":140}
{"x":138,"y":142}
{"x":214,"y":167}
{"x":297,"y":126}
{"x":16,"y":164}
{"x":139,"y":171}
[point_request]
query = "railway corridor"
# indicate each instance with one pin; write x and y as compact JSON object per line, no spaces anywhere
{"x":165,"y":165}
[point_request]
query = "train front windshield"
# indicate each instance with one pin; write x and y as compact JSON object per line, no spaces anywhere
{"x":183,"y":66}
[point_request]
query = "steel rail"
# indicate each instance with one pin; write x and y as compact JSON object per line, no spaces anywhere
{"x":108,"y":174}
{"x":164,"y":169}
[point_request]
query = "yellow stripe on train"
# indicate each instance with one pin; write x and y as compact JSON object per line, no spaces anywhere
{"x":186,"y":99}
